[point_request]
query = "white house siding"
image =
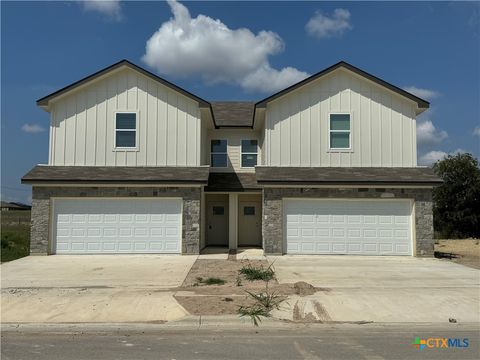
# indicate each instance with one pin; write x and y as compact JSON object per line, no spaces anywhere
{"x":83,"y":124}
{"x":234,"y":138}
{"x":383,"y":125}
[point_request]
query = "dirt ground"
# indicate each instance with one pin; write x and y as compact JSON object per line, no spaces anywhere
{"x":201,"y":299}
{"x":465,"y":252}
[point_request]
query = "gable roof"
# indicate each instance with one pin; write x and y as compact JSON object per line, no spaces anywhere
{"x":233,"y":113}
{"x":422,"y":104}
{"x":43,"y":102}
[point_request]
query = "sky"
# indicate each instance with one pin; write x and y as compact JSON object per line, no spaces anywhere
{"x":238,"y":51}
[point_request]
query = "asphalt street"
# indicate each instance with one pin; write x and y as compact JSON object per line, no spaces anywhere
{"x":372,"y":342}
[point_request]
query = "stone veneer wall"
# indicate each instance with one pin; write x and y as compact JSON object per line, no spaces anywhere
{"x":40,"y":223}
{"x":272,"y":225}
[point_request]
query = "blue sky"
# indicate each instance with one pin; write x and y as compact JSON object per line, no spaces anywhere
{"x":238,"y":50}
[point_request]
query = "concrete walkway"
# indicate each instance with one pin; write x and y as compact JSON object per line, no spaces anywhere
{"x":93,"y":288}
{"x":380,"y":289}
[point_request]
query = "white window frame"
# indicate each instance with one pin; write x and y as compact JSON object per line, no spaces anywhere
{"x":211,"y":153}
{"x":247,"y":153}
{"x":349,"y":149}
{"x":137,"y":119}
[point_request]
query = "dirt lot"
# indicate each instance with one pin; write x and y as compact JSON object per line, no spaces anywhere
{"x":201,"y":299}
{"x":465,"y":252}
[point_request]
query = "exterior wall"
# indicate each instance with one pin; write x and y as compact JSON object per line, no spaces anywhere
{"x":41,"y":214}
{"x":272,"y":222}
{"x":382,"y":124}
{"x":82,"y":127}
{"x":234,"y":138}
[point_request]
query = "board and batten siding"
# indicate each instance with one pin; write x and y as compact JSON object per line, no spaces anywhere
{"x":82,"y":129}
{"x":234,"y":139}
{"x":382,"y":123}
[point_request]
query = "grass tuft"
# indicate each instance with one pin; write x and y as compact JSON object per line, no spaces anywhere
{"x":253,"y":312}
{"x":264,"y":303}
{"x":257,"y":273}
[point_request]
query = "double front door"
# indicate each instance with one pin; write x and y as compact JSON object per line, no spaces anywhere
{"x":249,"y":217}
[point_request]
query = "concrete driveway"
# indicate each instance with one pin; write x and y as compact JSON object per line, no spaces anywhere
{"x":380,"y":289}
{"x":93,"y":288}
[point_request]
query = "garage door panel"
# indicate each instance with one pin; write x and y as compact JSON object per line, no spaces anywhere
{"x":117,"y":225}
{"x":354,"y":233}
{"x":338,"y":247}
{"x":402,"y":248}
{"x":386,"y":248}
{"x":109,"y":246}
{"x":94,"y":232}
{"x":348,"y":227}
{"x":370,"y":248}
{"x":307,"y":246}
{"x":322,"y":233}
{"x":354,"y":247}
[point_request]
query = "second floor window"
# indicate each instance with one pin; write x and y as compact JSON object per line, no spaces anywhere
{"x":249,"y":153}
{"x":340,"y":132}
{"x":218,"y":153}
{"x":126,"y":130}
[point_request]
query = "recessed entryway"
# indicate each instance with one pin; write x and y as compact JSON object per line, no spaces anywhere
{"x":250,"y":220}
{"x":217,"y":220}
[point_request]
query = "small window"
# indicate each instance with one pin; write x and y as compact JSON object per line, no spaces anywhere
{"x":218,"y":153}
{"x":249,"y":153}
{"x":249,"y":210}
{"x":126,"y":130}
{"x":218,"y":210}
{"x":340,"y":131}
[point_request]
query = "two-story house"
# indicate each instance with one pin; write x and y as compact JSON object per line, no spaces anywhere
{"x":138,"y":165}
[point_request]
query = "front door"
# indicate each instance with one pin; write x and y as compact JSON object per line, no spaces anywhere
{"x":217,"y":223}
{"x":249,"y":223}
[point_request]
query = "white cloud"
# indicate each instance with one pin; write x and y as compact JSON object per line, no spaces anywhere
{"x":432,"y":157}
{"x":476,"y":131}
{"x":110,"y":8}
{"x":32,"y":128}
{"x":324,"y":26}
{"x":267,"y":79}
{"x":428,"y":134}
{"x":206,"y":47}
{"x":426,"y":94}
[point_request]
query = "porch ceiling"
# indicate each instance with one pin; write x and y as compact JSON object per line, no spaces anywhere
{"x":218,"y":182}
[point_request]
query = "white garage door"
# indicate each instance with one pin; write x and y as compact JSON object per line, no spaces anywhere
{"x":366,"y":227}
{"x":91,"y":226}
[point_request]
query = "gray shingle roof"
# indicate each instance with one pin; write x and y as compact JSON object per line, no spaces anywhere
{"x":117,"y":174}
{"x":232,"y":182}
{"x":233,"y":113}
{"x":346,"y":176}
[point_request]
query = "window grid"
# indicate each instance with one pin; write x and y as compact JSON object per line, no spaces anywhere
{"x":340,"y":132}
{"x":213,"y":153}
{"x":249,"y":153}
{"x":126,"y":130}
